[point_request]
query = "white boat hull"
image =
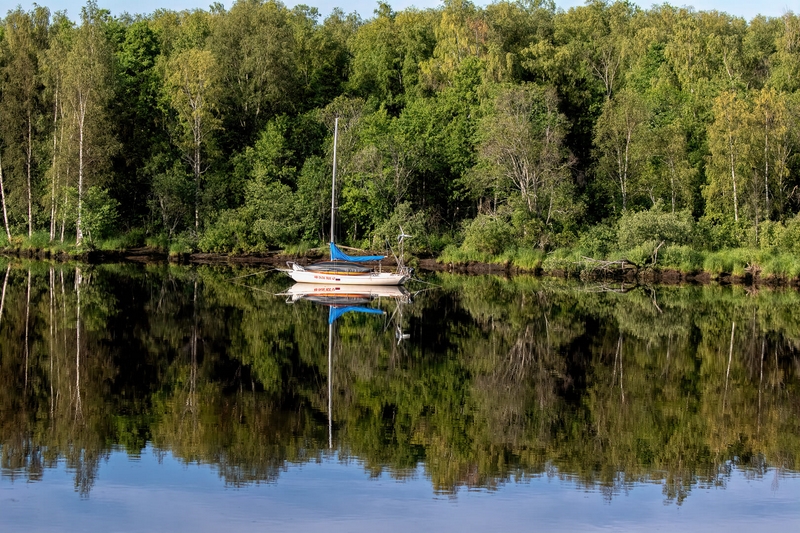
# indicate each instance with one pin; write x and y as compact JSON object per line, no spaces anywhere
{"x":300,"y":275}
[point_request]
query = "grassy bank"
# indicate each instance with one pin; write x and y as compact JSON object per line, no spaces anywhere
{"x":40,"y":245}
{"x":738,"y":262}
{"x":644,"y":261}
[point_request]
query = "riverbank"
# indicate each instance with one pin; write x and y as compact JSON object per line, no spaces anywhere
{"x":743,"y":269}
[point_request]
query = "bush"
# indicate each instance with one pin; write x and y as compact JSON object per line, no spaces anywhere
{"x":717,"y":233}
{"x":130,"y":239}
{"x":159,"y":242}
{"x":412,"y":223}
{"x":99,"y":214}
{"x":437,"y":243}
{"x":488,"y":234}
{"x":228,"y":234}
{"x":790,"y":238}
{"x":598,"y":241}
{"x":183,"y":243}
{"x":633,"y":229}
{"x":40,"y":240}
{"x":770,"y":235}
{"x":531,"y":231}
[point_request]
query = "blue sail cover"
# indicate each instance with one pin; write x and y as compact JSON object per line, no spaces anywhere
{"x":338,"y":255}
{"x":336,"y":312}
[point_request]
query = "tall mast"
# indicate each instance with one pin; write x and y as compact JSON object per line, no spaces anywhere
{"x":333,"y":181}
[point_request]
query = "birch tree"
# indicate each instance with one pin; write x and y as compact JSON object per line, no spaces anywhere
{"x":87,"y":90}
{"x":25,"y":38}
{"x":620,"y":140}
{"x":523,"y":145}
{"x":726,"y":143}
{"x":193,"y":92}
{"x":53,"y":73}
{"x":770,"y":132}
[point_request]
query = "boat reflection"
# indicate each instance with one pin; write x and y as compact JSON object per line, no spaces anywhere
{"x":346,"y":299}
{"x":345,"y":295}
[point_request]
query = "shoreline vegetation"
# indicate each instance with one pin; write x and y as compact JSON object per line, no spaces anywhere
{"x":606,"y":141}
{"x":742,"y":266}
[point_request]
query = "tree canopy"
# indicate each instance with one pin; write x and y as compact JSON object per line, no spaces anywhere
{"x":214,"y":127}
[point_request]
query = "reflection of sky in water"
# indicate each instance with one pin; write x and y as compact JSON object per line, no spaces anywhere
{"x":145,"y":495}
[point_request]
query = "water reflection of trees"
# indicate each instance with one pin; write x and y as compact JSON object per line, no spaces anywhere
{"x":502,"y":379}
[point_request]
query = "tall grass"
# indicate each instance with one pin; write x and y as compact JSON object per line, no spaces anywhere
{"x":458,"y":256}
{"x":523,"y":258}
{"x":303,"y":248}
{"x":782,"y":264}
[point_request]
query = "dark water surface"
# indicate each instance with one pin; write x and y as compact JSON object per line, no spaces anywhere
{"x":163,"y":398}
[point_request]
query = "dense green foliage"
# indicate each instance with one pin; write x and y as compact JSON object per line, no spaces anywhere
{"x":494,"y":130}
{"x":499,"y":379}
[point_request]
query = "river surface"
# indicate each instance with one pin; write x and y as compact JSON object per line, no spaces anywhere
{"x":167,"y":398}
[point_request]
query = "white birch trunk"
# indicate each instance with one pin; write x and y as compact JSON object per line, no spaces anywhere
{"x":81,"y":131}
{"x":3,"y":200}
{"x":29,"y":162}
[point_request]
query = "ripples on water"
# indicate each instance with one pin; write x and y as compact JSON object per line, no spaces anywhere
{"x":170,"y":398}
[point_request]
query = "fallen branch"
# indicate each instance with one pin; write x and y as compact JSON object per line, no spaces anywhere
{"x":609,"y":266}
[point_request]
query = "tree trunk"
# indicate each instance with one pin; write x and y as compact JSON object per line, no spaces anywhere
{"x":3,"y":200}
{"x":29,"y":162}
{"x":733,"y":180}
{"x":55,"y":161}
{"x":766,"y":171}
{"x":79,"y":222}
{"x":672,"y":182}
{"x":197,"y":189}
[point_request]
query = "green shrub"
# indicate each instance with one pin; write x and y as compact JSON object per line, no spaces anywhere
{"x":302,"y":248}
{"x":488,"y":235}
{"x":99,"y":214}
{"x":598,"y":241}
{"x":530,"y":230}
{"x":770,"y":235}
{"x":130,"y":239}
{"x":717,"y":233}
{"x":640,"y":255}
{"x":159,"y":242}
{"x":40,"y":240}
{"x":790,"y":238}
{"x":412,"y":223}
{"x":229,"y":233}
{"x":633,"y":229}
{"x":437,"y":243}
{"x":183,"y":243}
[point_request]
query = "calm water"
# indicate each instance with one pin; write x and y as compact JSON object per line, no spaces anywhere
{"x":160,"y":398}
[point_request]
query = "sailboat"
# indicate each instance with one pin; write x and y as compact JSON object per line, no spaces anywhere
{"x":343,"y":269}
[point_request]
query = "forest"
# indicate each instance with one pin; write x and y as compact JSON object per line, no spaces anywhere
{"x":513,"y":132}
